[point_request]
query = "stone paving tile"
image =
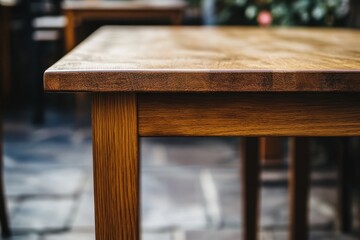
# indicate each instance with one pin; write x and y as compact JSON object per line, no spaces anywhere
{"x":157,"y":236}
{"x":172,"y":200}
{"x":315,"y":235}
{"x":231,"y":234}
{"x":223,"y":234}
{"x":43,"y":180}
{"x":71,"y":236}
{"x":11,"y":205}
{"x":274,"y":207}
{"x":84,"y":215}
{"x":274,"y":202}
{"x":91,"y":236}
{"x":41,"y":214}
{"x":209,"y":152}
{"x":23,"y":237}
{"x":323,"y":206}
{"x":47,"y":154}
{"x":228,"y":187}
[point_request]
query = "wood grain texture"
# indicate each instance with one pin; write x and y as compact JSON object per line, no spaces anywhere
{"x":249,"y":114}
{"x":116,"y":166}
{"x":251,"y":186}
{"x":299,"y":178}
{"x":198,"y":59}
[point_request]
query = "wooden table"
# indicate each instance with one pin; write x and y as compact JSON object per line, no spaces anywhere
{"x":194,"y":81}
{"x":78,"y":11}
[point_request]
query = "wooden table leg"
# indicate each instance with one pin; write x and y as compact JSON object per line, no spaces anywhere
{"x":251,"y":184}
{"x":344,"y":186}
{"x":299,"y":188}
{"x":116,"y":166}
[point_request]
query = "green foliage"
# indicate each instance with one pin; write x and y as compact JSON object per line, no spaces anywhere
{"x":284,"y":12}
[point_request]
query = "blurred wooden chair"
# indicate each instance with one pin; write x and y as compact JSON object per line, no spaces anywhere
{"x":299,"y":185}
{"x":45,"y":27}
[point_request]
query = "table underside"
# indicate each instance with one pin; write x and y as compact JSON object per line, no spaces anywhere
{"x":244,"y":114}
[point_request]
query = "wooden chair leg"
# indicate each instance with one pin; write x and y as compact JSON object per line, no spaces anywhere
{"x":251,"y":184}
{"x":344,"y":186}
{"x":5,"y":228}
{"x":299,"y":189}
{"x":116,"y":166}
{"x":271,"y":151}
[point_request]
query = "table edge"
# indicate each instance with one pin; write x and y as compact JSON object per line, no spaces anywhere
{"x":199,"y":80}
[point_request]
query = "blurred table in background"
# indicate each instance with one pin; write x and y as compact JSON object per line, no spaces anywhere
{"x":5,"y":22}
{"x":77,"y":11}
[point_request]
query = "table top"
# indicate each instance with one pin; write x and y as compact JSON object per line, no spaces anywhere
{"x":201,"y":59}
{"x":123,"y":5}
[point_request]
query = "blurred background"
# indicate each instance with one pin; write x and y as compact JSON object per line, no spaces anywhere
{"x":190,"y":186}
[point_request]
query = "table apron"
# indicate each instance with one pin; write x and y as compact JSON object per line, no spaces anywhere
{"x":248,"y":114}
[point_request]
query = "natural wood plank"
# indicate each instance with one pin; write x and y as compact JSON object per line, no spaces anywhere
{"x":299,"y":189}
{"x":200,"y":59}
{"x":116,"y":166}
{"x":249,"y":114}
{"x":251,"y":187}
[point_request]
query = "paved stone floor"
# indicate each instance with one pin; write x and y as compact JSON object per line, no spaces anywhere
{"x":190,"y":187}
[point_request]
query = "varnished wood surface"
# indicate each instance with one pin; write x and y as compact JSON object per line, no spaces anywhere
{"x":211,"y":59}
{"x":122,"y":5}
{"x":249,"y":114}
{"x":116,"y":167}
{"x":250,"y":187}
{"x":299,"y":179}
